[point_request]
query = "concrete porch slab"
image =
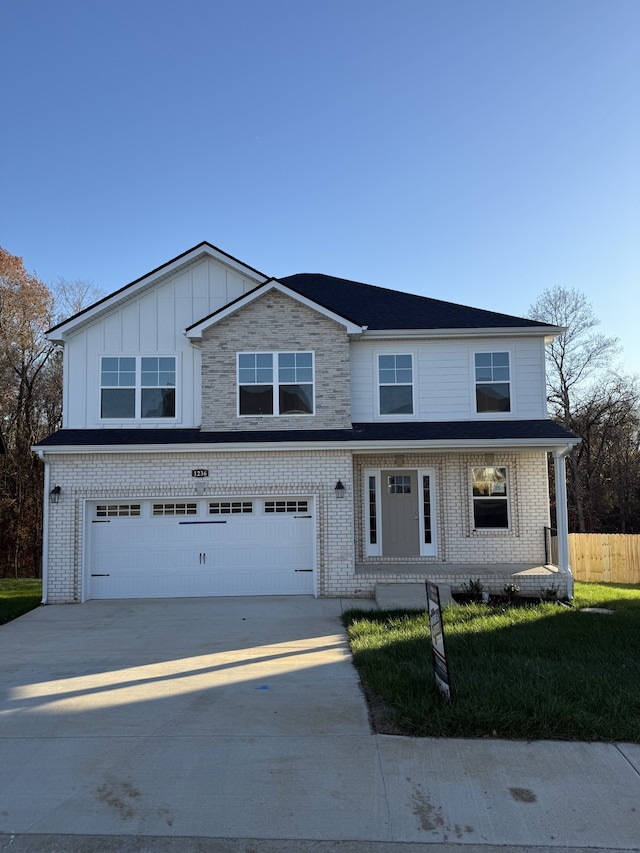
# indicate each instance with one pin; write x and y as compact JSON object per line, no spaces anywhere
{"x":412,"y":596}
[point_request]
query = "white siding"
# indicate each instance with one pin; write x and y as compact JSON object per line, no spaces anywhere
{"x":444,"y":377}
{"x":150,"y":322}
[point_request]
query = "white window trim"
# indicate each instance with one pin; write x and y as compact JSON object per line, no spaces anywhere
{"x":426,"y":549}
{"x":275,"y":383}
{"x":137,"y":419}
{"x":490,"y":530}
{"x":429,"y":549}
{"x":376,"y":384}
{"x":499,"y":416}
{"x":372,"y":549}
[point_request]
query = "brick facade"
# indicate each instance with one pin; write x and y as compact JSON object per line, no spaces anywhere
{"x":339,"y":530}
{"x":275,"y":322}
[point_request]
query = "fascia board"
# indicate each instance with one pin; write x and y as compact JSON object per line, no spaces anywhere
{"x":443,"y":446}
{"x":61,"y":332}
{"x":194,"y":332}
{"x":548,"y":332}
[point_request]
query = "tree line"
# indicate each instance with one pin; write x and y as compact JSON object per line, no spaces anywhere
{"x":30,"y":402}
{"x":586,"y":394}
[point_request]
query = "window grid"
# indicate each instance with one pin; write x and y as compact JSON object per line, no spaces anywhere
{"x":137,"y":387}
{"x":493,"y":382}
{"x":276,"y":384}
{"x":395,"y":381}
{"x":230,"y":507}
{"x":117,"y":510}
{"x":399,"y":484}
{"x":286,"y":506}
{"x":173,"y":508}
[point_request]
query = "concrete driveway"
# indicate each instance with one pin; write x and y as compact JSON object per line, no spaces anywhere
{"x":180,"y":725}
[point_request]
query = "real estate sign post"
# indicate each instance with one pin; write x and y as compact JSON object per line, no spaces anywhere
{"x":440,"y":668}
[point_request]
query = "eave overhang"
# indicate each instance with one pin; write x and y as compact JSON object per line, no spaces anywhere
{"x":353,"y":446}
{"x":194,"y":333}
{"x":548,"y":332}
{"x":60,"y":332}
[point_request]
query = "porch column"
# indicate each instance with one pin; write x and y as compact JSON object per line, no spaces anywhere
{"x":562,"y":516}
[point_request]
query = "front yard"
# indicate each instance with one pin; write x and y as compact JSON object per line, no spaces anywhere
{"x":544,"y":671}
{"x":18,"y":597}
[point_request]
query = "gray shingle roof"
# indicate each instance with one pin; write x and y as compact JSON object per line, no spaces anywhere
{"x":381,"y":308}
{"x":375,"y":432}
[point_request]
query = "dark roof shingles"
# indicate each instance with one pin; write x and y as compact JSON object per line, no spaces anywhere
{"x":400,"y":431}
{"x":381,"y":308}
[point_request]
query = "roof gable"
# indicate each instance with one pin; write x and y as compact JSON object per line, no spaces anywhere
{"x":195,"y":331}
{"x":151,"y":279}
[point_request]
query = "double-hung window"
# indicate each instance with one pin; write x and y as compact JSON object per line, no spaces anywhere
{"x":395,"y":384}
{"x":279,"y":383}
{"x":490,"y":498}
{"x":138,"y":387}
{"x":493,"y":382}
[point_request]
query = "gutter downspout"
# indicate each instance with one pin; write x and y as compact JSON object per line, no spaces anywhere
{"x":562,"y":515}
{"x":45,"y":528}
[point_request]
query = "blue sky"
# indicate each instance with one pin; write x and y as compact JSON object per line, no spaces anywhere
{"x":477,"y":151}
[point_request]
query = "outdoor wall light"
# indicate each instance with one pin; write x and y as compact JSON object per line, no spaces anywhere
{"x":54,"y":494}
{"x":340,"y":489}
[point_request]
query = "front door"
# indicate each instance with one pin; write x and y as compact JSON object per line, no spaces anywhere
{"x":400,"y":514}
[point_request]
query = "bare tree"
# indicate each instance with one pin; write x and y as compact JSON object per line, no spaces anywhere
{"x":71,"y":297}
{"x":588,"y":396}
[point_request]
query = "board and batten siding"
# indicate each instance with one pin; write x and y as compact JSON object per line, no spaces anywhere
{"x":443,"y":376}
{"x":151,"y":322}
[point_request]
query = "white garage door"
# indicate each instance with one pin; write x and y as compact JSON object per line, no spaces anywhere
{"x":172,"y":548}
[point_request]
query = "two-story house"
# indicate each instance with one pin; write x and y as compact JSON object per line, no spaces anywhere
{"x":228,"y":433}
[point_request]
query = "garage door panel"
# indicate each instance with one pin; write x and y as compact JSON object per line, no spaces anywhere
{"x":159,"y":556}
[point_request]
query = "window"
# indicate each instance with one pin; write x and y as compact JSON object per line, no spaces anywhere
{"x":117,"y":510}
{"x":230,"y":507}
{"x":175,"y":509}
{"x":373,"y":511}
{"x":490,"y":498}
{"x":426,"y":508}
{"x":118,"y":388}
{"x":395,"y":378}
{"x":286,"y":506}
{"x":275,"y":383}
{"x":158,"y":388}
{"x":493,"y":391}
{"x":138,"y":387}
{"x":399,"y":485}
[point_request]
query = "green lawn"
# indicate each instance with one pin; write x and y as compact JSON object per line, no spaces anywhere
{"x":544,"y":671}
{"x":18,"y":597}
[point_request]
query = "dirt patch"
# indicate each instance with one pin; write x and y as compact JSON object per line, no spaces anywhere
{"x":380,"y":715}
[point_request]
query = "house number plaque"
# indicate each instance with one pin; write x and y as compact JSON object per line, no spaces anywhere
{"x":200,"y":472}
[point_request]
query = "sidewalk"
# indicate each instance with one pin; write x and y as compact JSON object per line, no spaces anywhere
{"x":238,"y":725}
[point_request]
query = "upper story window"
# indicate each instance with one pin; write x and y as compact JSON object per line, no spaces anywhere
{"x":490,"y":498}
{"x":279,"y":383}
{"x":134,"y":387}
{"x":493,"y":382}
{"x":395,"y":384}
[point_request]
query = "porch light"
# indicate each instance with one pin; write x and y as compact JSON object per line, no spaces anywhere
{"x":54,"y":494}
{"x":340,"y":489}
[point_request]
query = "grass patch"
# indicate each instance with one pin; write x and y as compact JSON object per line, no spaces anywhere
{"x":544,"y":671}
{"x":18,"y":597}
